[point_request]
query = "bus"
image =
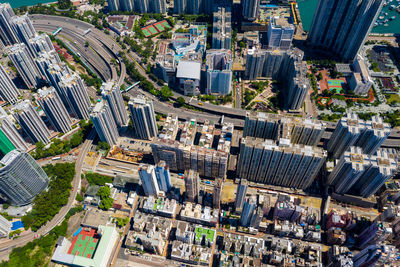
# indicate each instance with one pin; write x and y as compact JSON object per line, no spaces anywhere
{"x":87,"y":31}
{"x":57,"y":31}
{"x":56,"y":158}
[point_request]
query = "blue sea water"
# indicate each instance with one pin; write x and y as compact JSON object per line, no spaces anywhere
{"x":18,"y":3}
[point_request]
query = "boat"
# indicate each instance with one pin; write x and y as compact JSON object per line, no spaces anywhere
{"x":392,"y":18}
{"x":386,"y":25}
{"x":381,"y":17}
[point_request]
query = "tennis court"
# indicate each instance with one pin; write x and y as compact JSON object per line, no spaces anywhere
{"x":336,"y":85}
{"x":84,"y":244}
{"x":155,"y":28}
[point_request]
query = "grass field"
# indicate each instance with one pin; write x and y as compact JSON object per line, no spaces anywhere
{"x":392,"y":98}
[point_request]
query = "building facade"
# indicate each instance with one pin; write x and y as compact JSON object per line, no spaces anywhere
{"x":104,"y":123}
{"x":143,"y":117}
{"x":342,"y":26}
{"x":21,"y":178}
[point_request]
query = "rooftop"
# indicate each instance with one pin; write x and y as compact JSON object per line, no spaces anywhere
{"x":188,"y":70}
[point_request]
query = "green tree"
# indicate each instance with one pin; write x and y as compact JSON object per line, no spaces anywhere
{"x":166,"y":93}
{"x":64,"y":4}
{"x":103,"y":145}
{"x":105,"y":196}
{"x":181,"y":101}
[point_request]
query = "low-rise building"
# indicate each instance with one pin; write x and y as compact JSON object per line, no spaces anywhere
{"x":191,"y":254}
{"x":197,"y":214}
{"x":161,"y":206}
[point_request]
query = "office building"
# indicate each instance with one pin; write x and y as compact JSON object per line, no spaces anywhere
{"x":25,"y":64}
{"x":163,"y":176}
{"x":217,"y":194}
{"x":29,"y":120}
{"x":341,"y":27}
{"x":218,"y":72}
{"x":104,"y":123}
{"x":55,"y":110}
{"x":221,"y":36}
{"x":279,"y":162}
{"x":23,"y":28}
{"x":8,"y":90}
{"x":8,"y":133}
{"x":149,"y":180}
{"x":375,"y":133}
{"x":351,"y":166}
{"x":5,"y":227}
{"x":280,"y":33}
{"x":74,"y":92}
{"x":192,"y":185}
{"x":346,"y":133}
{"x":112,"y":94}
{"x":188,"y":76}
{"x":21,"y":178}
{"x":7,"y":34}
{"x":249,"y":206}
{"x":240,"y":195}
{"x":381,"y":169}
{"x":250,"y":9}
{"x":143,"y":117}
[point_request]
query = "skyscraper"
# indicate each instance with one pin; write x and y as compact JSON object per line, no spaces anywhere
{"x":149,"y":180}
{"x":217,"y":194}
{"x":279,"y":163}
{"x":30,"y":121}
{"x":218,"y":71}
{"x":23,"y":28}
{"x":7,"y":128}
{"x":382,"y":168}
{"x":143,"y":117}
{"x":192,"y":185}
{"x":7,"y":34}
{"x":280,"y":33}
{"x":8,"y":90}
{"x":163,"y":176}
{"x":261,"y":125}
{"x":375,"y":133}
{"x":24,"y":63}
{"x":5,"y":227}
{"x":112,"y":94}
{"x":346,"y":133}
{"x":21,"y":178}
{"x":351,"y":166}
{"x":74,"y":92}
{"x":250,"y":9}
{"x":249,"y":207}
{"x":221,"y":36}
{"x":104,"y":123}
{"x":113,"y":5}
{"x":41,"y":43}
{"x":193,"y":6}
{"x":55,"y":110}
{"x":342,"y":26}
{"x":240,"y":195}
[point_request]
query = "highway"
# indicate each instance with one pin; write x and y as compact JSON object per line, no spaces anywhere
{"x":101,"y":47}
{"x":211,"y":112}
{"x":7,"y":245}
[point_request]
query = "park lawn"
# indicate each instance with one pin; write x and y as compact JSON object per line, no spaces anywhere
{"x":392,"y":98}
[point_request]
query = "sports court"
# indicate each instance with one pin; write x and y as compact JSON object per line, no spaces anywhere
{"x":336,"y":85}
{"x":84,"y":244}
{"x":155,"y":28}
